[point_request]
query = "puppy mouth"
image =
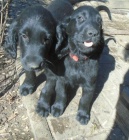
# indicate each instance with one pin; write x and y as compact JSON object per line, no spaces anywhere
{"x":88,"y":44}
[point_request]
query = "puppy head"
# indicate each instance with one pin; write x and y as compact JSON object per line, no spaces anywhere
{"x":35,"y":33}
{"x":84,"y":28}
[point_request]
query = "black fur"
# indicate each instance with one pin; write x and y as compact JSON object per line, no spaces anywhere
{"x":84,"y":25}
{"x":35,"y":33}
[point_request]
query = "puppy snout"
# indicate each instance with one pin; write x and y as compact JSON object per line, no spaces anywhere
{"x":92,"y":33}
{"x":34,"y":63}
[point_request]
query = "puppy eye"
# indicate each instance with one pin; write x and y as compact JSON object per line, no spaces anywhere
{"x":99,"y":20}
{"x":24,"y":36}
{"x":81,"y":18}
{"x":46,"y":40}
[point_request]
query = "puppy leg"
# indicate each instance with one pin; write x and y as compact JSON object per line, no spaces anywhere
{"x":28,"y":85}
{"x":43,"y":107}
{"x":83,"y":115}
{"x":61,"y":98}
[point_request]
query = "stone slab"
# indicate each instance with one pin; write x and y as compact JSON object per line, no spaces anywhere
{"x":64,"y":128}
{"x":38,"y":124}
{"x":104,"y":113}
{"x":102,"y":136}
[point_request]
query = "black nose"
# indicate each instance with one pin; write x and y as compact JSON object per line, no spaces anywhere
{"x":92,"y":33}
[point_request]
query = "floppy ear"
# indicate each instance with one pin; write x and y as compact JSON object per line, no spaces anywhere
{"x":10,"y":44}
{"x":61,"y":33}
{"x":102,"y":7}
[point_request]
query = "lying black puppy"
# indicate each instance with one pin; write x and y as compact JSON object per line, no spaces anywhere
{"x":85,"y":45}
{"x":35,"y":33}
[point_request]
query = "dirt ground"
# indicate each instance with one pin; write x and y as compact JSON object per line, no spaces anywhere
{"x":14,"y":123}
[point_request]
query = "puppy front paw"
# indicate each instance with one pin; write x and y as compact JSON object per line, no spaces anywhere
{"x":26,"y":89}
{"x":83,"y":117}
{"x":43,"y":110}
{"x":57,"y":110}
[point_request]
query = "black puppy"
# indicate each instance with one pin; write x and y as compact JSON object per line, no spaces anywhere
{"x":35,"y":33}
{"x":85,"y":45}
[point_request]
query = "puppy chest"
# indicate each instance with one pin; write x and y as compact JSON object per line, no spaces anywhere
{"x":75,"y":73}
{"x":80,"y":73}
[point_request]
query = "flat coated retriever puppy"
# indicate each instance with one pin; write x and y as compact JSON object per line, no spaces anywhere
{"x":85,"y":45}
{"x":35,"y":33}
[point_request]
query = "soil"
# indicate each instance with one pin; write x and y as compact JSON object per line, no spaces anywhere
{"x":14,"y":122}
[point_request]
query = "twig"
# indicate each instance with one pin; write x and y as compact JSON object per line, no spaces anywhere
{"x":4,"y":25}
{"x":4,"y":7}
{"x":3,"y":19}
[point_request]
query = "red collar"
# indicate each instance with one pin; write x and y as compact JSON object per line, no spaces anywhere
{"x":75,"y":57}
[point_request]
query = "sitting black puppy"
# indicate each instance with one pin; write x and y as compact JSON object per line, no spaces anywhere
{"x":85,"y":45}
{"x":35,"y":33}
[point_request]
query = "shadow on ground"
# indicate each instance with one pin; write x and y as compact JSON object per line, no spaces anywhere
{"x":122,"y":107}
